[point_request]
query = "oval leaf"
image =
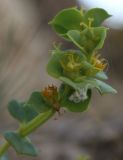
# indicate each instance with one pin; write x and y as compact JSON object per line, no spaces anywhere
{"x":22,"y":145}
{"x":21,"y":113}
{"x":97,"y":14}
{"x":101,"y":75}
{"x":104,"y":88}
{"x":54,"y":67}
{"x":38,"y":103}
{"x":66,"y":20}
{"x":90,"y":83}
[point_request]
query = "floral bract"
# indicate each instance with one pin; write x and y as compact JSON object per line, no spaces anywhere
{"x":83,"y":69}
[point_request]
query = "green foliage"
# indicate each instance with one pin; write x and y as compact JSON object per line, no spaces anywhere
{"x":65,"y":92}
{"x":72,"y":18}
{"x":104,"y":88}
{"x":88,"y":40}
{"x":58,"y":64}
{"x":98,"y":15}
{"x":101,"y":75}
{"x":79,"y":70}
{"x":38,"y":103}
{"x":22,"y":145}
{"x":90,"y":83}
{"x":21,"y":113}
{"x":54,"y":67}
{"x":66,"y":20}
{"x":25,"y":112}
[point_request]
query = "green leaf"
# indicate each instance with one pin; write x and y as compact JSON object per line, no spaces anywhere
{"x":38,"y":103}
{"x":54,"y":67}
{"x":65,"y":93}
{"x":77,"y":107}
{"x":75,"y":37}
{"x":69,"y":82}
{"x":104,"y":88}
{"x":21,"y":145}
{"x":21,"y":113}
{"x":89,"y":40}
{"x":97,"y":14}
{"x":89,"y":83}
{"x":67,"y":19}
{"x":25,"y":112}
{"x":101,"y":75}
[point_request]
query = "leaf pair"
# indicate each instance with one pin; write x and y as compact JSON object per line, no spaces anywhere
{"x":86,"y":82}
{"x":54,"y":69}
{"x":82,"y":28}
{"x":90,"y":83}
{"x":69,"y":87}
{"x":71,"y":18}
{"x":25,"y":112}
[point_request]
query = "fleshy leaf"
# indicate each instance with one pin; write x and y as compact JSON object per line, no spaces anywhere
{"x":75,"y":37}
{"x":101,"y":75}
{"x":38,"y":103}
{"x":53,"y":67}
{"x":67,"y":19}
{"x":77,"y":107}
{"x":104,"y":88}
{"x":22,"y":145}
{"x":25,"y":112}
{"x":65,"y":93}
{"x":21,"y":113}
{"x":89,"y":40}
{"x":89,"y":83}
{"x":98,"y":15}
{"x":69,"y":82}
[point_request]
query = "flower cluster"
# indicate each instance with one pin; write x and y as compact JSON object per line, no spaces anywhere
{"x":82,"y":69}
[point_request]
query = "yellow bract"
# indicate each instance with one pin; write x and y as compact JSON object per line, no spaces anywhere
{"x":71,"y":62}
{"x":98,"y":62}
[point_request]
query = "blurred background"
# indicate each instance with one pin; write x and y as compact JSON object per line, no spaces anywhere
{"x":25,"y":42}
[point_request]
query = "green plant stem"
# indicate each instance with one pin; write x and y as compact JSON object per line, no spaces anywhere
{"x":35,"y":123}
{"x":29,"y":128}
{"x":4,"y":148}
